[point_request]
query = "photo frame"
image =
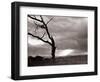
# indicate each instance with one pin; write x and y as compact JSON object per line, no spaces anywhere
{"x":53,"y":40}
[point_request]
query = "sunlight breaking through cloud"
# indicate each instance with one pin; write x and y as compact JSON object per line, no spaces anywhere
{"x":64,"y":52}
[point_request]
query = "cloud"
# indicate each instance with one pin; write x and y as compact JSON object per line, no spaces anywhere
{"x":68,"y":32}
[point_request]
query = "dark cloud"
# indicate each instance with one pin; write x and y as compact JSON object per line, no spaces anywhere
{"x":68,"y":32}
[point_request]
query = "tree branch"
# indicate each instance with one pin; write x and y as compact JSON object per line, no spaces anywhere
{"x":34,"y":18}
{"x":49,"y":20}
{"x":36,"y":28}
{"x":39,"y":38}
{"x":43,"y":35}
{"x":46,"y":28}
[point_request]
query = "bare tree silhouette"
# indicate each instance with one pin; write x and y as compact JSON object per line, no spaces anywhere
{"x":43,"y":26}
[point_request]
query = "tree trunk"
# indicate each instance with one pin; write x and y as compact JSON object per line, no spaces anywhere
{"x":53,"y":49}
{"x":53,"y":52}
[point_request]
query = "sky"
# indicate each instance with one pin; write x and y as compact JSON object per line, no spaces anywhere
{"x":69,"y":33}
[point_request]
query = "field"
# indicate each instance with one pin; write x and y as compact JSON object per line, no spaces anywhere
{"x":67,"y":60}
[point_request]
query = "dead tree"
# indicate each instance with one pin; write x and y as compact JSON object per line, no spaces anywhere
{"x":44,"y":26}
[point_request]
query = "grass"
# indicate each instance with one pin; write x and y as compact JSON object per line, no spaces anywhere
{"x":67,"y":60}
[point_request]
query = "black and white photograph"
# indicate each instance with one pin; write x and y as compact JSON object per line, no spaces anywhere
{"x":57,"y":40}
{"x":53,"y":40}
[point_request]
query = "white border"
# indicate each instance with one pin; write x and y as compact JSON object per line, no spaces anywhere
{"x":25,"y":70}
